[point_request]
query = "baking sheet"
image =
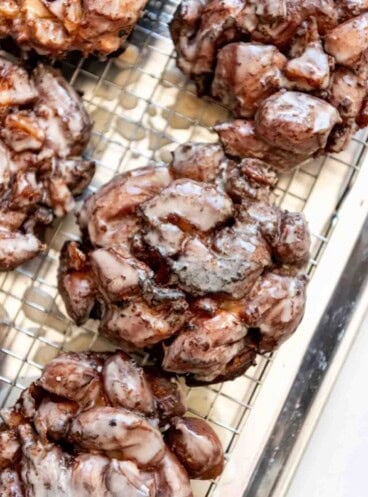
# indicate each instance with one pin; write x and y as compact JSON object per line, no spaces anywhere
{"x":143,"y":107}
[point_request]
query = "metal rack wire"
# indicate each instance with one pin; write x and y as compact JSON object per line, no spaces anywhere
{"x":143,"y":107}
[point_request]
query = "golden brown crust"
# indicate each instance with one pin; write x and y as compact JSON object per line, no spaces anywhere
{"x":44,"y":129}
{"x":56,"y":27}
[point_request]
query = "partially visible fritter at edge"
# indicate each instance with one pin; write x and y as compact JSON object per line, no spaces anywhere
{"x":293,"y":72}
{"x":44,"y":129}
{"x":56,"y":27}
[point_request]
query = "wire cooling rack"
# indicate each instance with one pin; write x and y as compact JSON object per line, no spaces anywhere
{"x":143,"y":107}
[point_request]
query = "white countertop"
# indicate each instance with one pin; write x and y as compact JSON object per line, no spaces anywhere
{"x":335,"y":461}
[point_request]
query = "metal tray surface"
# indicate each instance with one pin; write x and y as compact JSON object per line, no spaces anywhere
{"x":143,"y":107}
